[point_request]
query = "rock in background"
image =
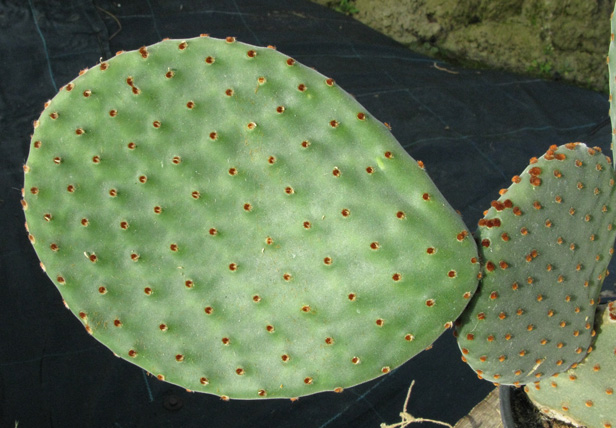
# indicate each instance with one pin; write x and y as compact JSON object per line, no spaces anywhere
{"x":556,"y":39}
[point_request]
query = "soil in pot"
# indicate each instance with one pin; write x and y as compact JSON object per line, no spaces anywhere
{"x":525,"y":415}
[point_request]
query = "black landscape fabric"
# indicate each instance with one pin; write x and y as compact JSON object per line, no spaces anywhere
{"x":473,"y":129}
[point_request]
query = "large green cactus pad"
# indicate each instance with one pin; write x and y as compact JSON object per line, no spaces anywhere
{"x":585,"y":395}
{"x":235,"y":223}
{"x":545,"y":245}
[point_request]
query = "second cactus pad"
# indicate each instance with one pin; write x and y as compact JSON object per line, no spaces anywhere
{"x":545,"y":244}
{"x":611,"y":62}
{"x":584,"y":395}
{"x":234,"y":222}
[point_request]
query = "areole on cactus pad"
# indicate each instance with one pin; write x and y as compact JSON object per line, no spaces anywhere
{"x":234,"y":222}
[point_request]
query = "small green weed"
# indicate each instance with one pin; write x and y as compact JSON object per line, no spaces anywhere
{"x":347,"y":7}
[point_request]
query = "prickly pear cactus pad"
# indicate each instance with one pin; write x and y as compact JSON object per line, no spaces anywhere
{"x":234,"y":222}
{"x":545,"y":246}
{"x":584,"y":395}
{"x":611,"y":62}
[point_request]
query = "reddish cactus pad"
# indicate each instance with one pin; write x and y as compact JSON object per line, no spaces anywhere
{"x":546,"y":244}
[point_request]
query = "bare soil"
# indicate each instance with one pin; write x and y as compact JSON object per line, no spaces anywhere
{"x":560,"y":40}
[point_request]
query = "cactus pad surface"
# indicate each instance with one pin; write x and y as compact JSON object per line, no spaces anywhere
{"x":585,"y":395}
{"x":611,"y":62}
{"x":234,"y":222}
{"x":545,"y":246}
